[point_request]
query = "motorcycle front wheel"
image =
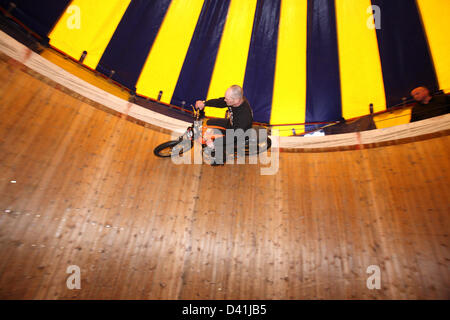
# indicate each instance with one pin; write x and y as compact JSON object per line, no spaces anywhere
{"x":166,"y":149}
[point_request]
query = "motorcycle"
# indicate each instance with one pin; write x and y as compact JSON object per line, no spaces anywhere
{"x":200,"y":132}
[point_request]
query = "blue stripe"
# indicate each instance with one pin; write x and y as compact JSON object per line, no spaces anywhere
{"x":405,"y":58}
{"x":323,"y":86}
{"x":131,"y":43}
{"x":196,"y":73}
{"x":260,"y":70}
{"x":39,"y":16}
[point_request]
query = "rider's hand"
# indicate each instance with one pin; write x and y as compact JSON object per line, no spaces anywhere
{"x":199,"y":104}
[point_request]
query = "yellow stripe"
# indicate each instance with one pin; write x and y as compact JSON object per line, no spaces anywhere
{"x":436,"y":19}
{"x":360,"y":65}
{"x":289,"y":95}
{"x":164,"y":63}
{"x":232,"y":56}
{"x":97,"y":22}
{"x":392,"y":118}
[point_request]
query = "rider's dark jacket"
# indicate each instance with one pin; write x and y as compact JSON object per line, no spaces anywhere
{"x":240,"y":117}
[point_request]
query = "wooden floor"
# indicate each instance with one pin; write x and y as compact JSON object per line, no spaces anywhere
{"x":80,"y":186}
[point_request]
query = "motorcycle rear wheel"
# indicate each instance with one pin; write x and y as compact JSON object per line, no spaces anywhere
{"x":260,"y":147}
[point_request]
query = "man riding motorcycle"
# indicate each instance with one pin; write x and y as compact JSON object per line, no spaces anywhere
{"x":239,"y":116}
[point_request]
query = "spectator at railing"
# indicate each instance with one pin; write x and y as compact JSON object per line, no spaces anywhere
{"x":428,"y":106}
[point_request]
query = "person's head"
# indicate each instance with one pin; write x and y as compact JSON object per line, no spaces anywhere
{"x":234,"y":96}
{"x":421,"y":94}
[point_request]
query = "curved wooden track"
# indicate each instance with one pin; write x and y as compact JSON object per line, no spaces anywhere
{"x":80,"y":186}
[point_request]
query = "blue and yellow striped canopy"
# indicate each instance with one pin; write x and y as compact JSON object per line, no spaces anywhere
{"x":297,"y":60}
